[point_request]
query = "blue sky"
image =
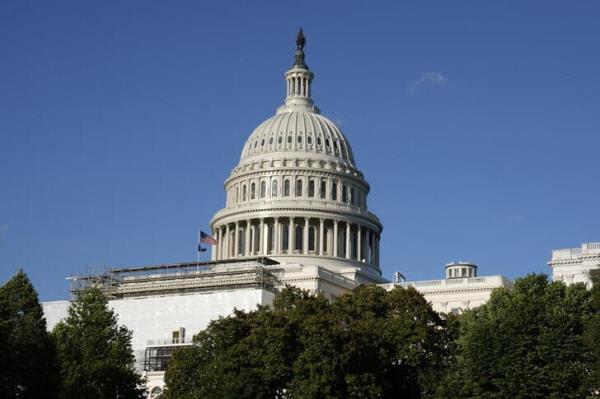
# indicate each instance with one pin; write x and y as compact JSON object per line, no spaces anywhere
{"x":476,"y":123}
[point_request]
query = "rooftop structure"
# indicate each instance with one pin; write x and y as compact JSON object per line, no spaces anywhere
{"x":573,"y":265}
{"x":462,"y":289}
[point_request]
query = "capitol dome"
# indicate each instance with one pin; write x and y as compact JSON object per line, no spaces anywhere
{"x":296,"y":194}
{"x":297,"y":133}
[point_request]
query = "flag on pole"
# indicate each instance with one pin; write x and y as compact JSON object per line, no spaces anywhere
{"x":206,"y":239}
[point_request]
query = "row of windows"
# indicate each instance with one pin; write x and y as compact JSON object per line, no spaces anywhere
{"x":315,"y":189}
{"x":309,"y":140}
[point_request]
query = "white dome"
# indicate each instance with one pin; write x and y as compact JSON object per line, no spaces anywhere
{"x":295,"y":133}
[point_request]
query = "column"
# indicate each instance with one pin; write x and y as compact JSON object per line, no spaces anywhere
{"x":247,"y":238}
{"x":335,"y":238}
{"x":213,"y":249}
{"x":218,"y":246}
{"x":368,"y":246}
{"x":252,"y":239}
{"x":226,"y":252}
{"x":305,"y":237}
{"x":292,"y":237}
{"x":236,"y":241}
{"x":266,"y":238}
{"x":359,"y":243}
{"x":321,"y":238}
{"x":261,"y":236}
{"x":276,"y":233}
{"x":348,"y":241}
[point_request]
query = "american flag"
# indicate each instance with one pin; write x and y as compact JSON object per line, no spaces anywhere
{"x":205,"y":238}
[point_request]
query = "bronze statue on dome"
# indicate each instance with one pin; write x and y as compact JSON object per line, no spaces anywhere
{"x":300,"y":40}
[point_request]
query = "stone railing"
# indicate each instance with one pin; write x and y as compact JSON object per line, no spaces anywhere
{"x":453,"y":283}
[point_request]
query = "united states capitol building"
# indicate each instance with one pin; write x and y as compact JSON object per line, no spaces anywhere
{"x":296,"y":213}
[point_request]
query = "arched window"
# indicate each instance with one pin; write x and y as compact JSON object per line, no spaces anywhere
{"x":286,"y":188}
{"x":263,"y":189}
{"x":311,"y":188}
{"x":334,"y":191}
{"x":237,"y":194}
{"x":352,"y":198}
{"x":344,"y":193}
{"x":274,"y":188}
{"x":244,"y":193}
{"x":298,"y":188}
{"x":299,"y":237}
{"x":252,"y":191}
{"x":323,"y":189}
{"x":312,"y":232}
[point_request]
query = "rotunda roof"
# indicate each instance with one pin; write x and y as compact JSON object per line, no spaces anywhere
{"x":298,"y":131}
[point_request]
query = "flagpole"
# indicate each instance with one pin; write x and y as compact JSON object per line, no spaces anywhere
{"x":198,"y":252}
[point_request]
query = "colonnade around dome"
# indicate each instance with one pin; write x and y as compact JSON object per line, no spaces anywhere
{"x":297,"y":235}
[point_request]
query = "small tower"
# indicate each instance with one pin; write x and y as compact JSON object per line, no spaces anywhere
{"x":461,"y":269}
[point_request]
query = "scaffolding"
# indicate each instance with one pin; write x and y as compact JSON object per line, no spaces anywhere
{"x":119,"y":282}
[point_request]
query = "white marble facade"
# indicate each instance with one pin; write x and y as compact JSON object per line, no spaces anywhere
{"x":462,"y":289}
{"x":573,"y":265}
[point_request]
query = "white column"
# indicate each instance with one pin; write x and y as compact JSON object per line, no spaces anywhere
{"x":213,"y":249}
{"x":276,"y":236}
{"x":261,"y":236}
{"x":368,"y":251}
{"x":335,"y":237}
{"x":348,"y":241}
{"x":226,"y":242}
{"x":359,"y":243}
{"x":247,"y":238}
{"x":292,"y":237}
{"x":268,"y":229}
{"x":236,"y":241}
{"x":305,"y":237}
{"x":218,"y":246}
{"x":321,"y":238}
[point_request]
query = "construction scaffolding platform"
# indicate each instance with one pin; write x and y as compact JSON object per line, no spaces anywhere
{"x":179,"y":277}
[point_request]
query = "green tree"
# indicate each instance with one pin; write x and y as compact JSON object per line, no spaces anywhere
{"x":27,"y":358}
{"x":94,"y":353}
{"x":367,"y":344}
{"x":592,"y":333}
{"x":524,"y":343}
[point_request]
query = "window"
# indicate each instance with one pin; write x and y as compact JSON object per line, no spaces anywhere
{"x":286,"y":188}
{"x":262,"y":143}
{"x":274,"y":188}
{"x":323,"y":190}
{"x":464,"y":271}
{"x":271,"y":141}
{"x":318,"y":141}
{"x":311,"y":188}
{"x":252,"y":191}
{"x":263,"y":189}
{"x":244,"y":192}
{"x":237,"y":194}
{"x":280,"y":140}
{"x":344,"y":193}
{"x":290,"y":139}
{"x":299,"y":139}
{"x":334,"y":191}
{"x":299,"y":188}
{"x":309,"y":139}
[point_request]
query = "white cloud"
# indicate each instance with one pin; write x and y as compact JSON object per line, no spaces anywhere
{"x":427,"y":79}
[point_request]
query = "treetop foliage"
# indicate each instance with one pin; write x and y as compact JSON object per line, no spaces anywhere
{"x":368,"y":344}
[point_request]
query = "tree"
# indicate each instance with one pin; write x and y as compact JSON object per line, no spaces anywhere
{"x":27,"y":355}
{"x":367,"y":344}
{"x":94,"y":353}
{"x":592,"y":333}
{"x":524,"y":343}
